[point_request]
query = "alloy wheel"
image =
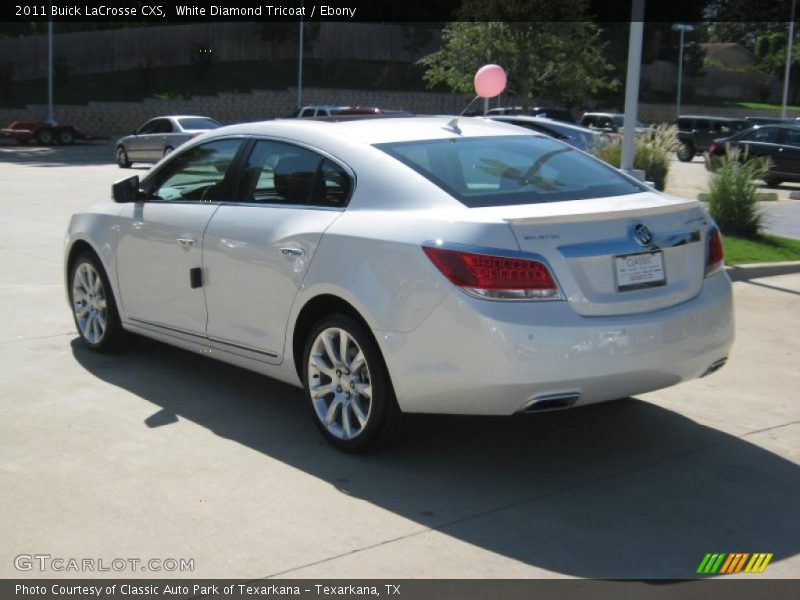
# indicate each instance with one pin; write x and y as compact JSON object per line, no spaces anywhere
{"x":89,"y":303}
{"x":339,"y":383}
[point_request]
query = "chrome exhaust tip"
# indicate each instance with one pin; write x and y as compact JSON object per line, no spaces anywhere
{"x":550,"y":402}
{"x":715,"y":366}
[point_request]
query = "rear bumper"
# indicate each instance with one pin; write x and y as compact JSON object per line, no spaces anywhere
{"x":492,"y":358}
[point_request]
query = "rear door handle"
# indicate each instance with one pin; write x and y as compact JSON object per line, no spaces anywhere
{"x":292,"y":251}
{"x":187,"y":242}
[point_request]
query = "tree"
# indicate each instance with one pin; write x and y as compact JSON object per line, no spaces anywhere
{"x":560,"y":60}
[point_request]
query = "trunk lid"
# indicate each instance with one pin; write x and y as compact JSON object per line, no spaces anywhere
{"x":620,"y":255}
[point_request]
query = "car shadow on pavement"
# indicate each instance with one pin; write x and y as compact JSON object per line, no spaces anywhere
{"x":621,"y":490}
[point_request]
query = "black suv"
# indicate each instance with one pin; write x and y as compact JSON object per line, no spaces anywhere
{"x":695,"y":133}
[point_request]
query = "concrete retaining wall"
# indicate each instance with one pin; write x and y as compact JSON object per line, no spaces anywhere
{"x":112,"y":118}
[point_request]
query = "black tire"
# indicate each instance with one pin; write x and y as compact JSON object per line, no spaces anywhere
{"x":685,"y":152}
{"x":114,"y":336}
{"x":66,"y":137}
{"x":45,"y":137}
{"x":122,"y":158}
{"x":772,"y":182}
{"x":168,"y":150}
{"x":385,"y":423}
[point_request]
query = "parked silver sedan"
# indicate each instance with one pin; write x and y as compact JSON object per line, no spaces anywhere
{"x":160,"y":136}
{"x":406,"y":265}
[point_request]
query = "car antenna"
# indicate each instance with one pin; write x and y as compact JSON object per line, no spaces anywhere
{"x":490,"y":81}
{"x":452,"y":124}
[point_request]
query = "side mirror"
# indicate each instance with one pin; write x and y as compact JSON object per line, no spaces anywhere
{"x":126,"y":190}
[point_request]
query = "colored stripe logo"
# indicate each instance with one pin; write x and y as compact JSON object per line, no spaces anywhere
{"x":725,"y":563}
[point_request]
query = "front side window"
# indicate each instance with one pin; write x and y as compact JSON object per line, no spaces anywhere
{"x":196,"y":174}
{"x":149,"y":127}
{"x":279,"y":173}
{"x":506,"y":170}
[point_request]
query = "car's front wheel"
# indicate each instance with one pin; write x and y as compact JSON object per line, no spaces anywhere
{"x":122,"y":158}
{"x":93,"y":306}
{"x":772,"y":181}
{"x":348,"y":387}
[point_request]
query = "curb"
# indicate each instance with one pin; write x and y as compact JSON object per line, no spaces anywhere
{"x":756,"y":271}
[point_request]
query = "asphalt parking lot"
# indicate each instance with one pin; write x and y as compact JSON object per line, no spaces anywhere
{"x":159,"y":453}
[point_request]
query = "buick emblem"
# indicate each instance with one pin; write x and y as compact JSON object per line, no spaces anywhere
{"x":642,"y":234}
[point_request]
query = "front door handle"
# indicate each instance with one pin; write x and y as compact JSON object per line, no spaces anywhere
{"x":187,"y":242}
{"x":293,"y":251}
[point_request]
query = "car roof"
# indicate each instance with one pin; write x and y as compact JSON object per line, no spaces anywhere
{"x":183,"y":117}
{"x":373,"y":130}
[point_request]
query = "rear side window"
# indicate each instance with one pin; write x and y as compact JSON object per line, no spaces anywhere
{"x":198,"y":123}
{"x":767,"y":135}
{"x":279,"y":173}
{"x":505,"y":170}
{"x":791,"y":137}
{"x":164,"y":126}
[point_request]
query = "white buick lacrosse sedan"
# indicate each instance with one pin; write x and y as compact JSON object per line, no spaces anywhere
{"x":409,"y":265}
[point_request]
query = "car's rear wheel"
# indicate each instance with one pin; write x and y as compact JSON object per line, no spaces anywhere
{"x":122,"y":158}
{"x":772,"y":181}
{"x":66,"y":137}
{"x":685,"y":153}
{"x":93,"y":305}
{"x":348,"y":387}
{"x":168,"y":150}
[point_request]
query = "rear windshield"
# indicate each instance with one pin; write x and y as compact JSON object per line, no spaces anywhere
{"x":198,"y":123}
{"x":505,"y":170}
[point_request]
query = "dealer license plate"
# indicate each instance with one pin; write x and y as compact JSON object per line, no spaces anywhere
{"x":637,"y":271}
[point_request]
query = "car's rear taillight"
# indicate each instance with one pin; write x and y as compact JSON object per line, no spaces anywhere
{"x":495,"y":277}
{"x":711,"y":147}
{"x":715,"y":260}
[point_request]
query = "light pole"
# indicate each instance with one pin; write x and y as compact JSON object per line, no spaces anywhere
{"x":300,"y":65}
{"x":632,"y":85}
{"x":683,"y":29}
{"x":788,"y":63}
{"x":50,"y":118}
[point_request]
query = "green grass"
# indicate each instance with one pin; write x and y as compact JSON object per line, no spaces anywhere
{"x":242,"y":76}
{"x":765,"y":249}
{"x":759,"y":105}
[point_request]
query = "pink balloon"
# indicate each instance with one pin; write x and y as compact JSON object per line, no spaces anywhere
{"x":490,"y":81}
